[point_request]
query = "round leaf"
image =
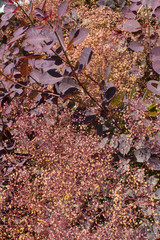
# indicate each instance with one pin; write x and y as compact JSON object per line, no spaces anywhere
{"x":131,"y":26}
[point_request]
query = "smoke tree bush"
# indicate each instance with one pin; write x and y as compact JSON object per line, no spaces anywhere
{"x":61,"y":179}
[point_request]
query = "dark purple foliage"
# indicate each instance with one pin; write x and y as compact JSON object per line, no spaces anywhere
{"x":110,"y":93}
{"x":37,"y":74}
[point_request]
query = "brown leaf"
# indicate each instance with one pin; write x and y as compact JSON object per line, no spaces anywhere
{"x":24,"y":67}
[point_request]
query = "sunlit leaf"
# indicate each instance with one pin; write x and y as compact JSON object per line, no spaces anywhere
{"x":131,"y":26}
{"x":128,"y":13}
{"x":51,"y":77}
{"x":62,"y":9}
{"x":30,"y":8}
{"x":156,"y":66}
{"x":85,"y":58}
{"x":19,"y":31}
{"x":135,"y":46}
{"x":155,"y":53}
{"x":35,"y":75}
{"x":155,"y":4}
{"x":125,"y":142}
{"x":142,"y":154}
{"x":118,"y":99}
{"x":66,"y":84}
{"x":135,"y":6}
{"x":152,"y":114}
{"x":9,"y":68}
{"x":77,"y":36}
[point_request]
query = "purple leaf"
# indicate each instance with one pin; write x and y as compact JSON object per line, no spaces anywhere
{"x":15,"y":51}
{"x":135,"y":1}
{"x":155,"y":53}
{"x":3,"y":25}
{"x":38,"y":12}
{"x":59,"y":51}
{"x":67,"y":71}
{"x":9,"y":69}
{"x":154,"y":163}
{"x":80,"y":35}
{"x":131,"y":26}
{"x":30,"y":8}
{"x":15,"y":91}
{"x":19,"y":31}
{"x":9,"y":11}
{"x":9,"y":8}
{"x":108,"y":72}
{"x":110,"y":93}
{"x":142,"y":154}
{"x":135,"y":46}
{"x":156,"y":66}
{"x":53,"y":73}
{"x":72,"y":33}
{"x":15,"y":39}
{"x":8,"y":171}
{"x":154,"y":86}
{"x":62,"y":9}
{"x":43,"y":5}
{"x":33,"y":31}
{"x":155,"y":4}
{"x":124,"y":143}
{"x":3,"y":48}
{"x":51,"y":77}
{"x":127,"y":13}
{"x":7,"y":16}
{"x":135,"y":6}
{"x":17,"y":74}
{"x":47,"y":64}
{"x":47,"y":47}
{"x":85,"y":57}
{"x":57,"y":60}
{"x":77,"y":36}
{"x":35,"y":76}
{"x":66,"y":84}
{"x":60,"y":35}
{"x":157,"y":12}
{"x":37,"y":36}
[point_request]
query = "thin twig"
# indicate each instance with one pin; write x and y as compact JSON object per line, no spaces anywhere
{"x":25,"y":13}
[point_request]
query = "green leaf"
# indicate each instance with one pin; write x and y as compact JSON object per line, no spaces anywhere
{"x":133,"y":91}
{"x":152,"y":107}
{"x":145,"y":95}
{"x":118,"y":99}
{"x":151,"y":114}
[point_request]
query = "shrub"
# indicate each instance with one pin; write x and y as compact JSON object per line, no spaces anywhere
{"x":60,"y":178}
